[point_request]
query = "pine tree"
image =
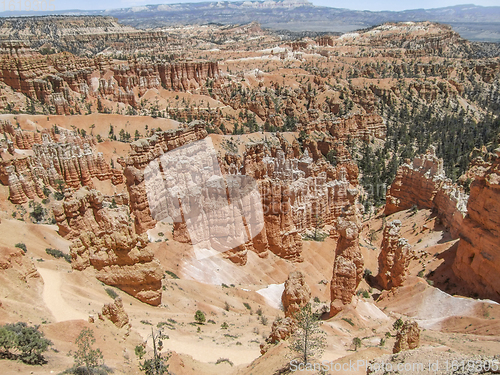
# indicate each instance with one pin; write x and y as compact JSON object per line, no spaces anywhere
{"x":308,"y":341}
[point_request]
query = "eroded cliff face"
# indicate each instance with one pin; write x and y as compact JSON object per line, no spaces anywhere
{"x":65,"y":156}
{"x":142,"y":153}
{"x":298,"y":193}
{"x":62,"y":79}
{"x":103,"y":238}
{"x":394,"y":258}
{"x":423,"y":184}
{"x":476,"y":262}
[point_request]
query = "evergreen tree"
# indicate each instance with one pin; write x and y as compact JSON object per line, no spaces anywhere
{"x":308,"y":341}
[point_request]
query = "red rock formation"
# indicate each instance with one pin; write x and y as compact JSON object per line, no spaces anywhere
{"x":424,"y":184}
{"x":394,"y":257}
{"x":296,"y":195}
{"x":60,"y":79}
{"x":71,"y":160}
{"x":104,"y":239}
{"x":347,"y":267}
{"x":326,"y":40}
{"x":281,"y":329}
{"x":187,"y":76}
{"x":407,"y":338}
{"x":355,"y":126}
{"x":296,"y":294}
{"x":476,"y":260}
{"x":142,"y":153}
{"x":14,"y":258}
{"x":116,"y":313}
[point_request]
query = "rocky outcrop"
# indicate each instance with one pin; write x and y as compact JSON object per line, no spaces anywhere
{"x":297,"y":194}
{"x":142,"y":153}
{"x":281,"y":329}
{"x":61,"y":80}
{"x":348,"y":263}
{"x":71,"y":159}
{"x":103,"y":238}
{"x":423,"y":184}
{"x":14,"y":258}
{"x":296,"y":294}
{"x":347,"y":267}
{"x":358,"y":126}
{"x":476,"y":262}
{"x":115,"y":313}
{"x":407,"y":338}
{"x":394,"y":257}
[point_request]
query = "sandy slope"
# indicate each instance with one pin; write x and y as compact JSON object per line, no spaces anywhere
{"x":53,"y":298}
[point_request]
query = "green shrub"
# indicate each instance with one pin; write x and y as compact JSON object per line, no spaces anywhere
{"x":59,"y":196}
{"x":58,"y":254}
{"x":357,"y":343}
{"x":29,"y":341}
{"x":224,"y":325}
{"x":38,"y":212}
{"x":139,"y":351}
{"x":316,"y":299}
{"x":398,"y":324}
{"x":348,"y":320}
{"x":111,"y":293}
{"x":21,"y":246}
{"x":247,"y":305}
{"x":222,"y":360}
{"x":172,"y":275}
{"x":199,"y":316}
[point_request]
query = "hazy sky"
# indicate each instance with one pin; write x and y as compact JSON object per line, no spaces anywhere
{"x":353,"y":4}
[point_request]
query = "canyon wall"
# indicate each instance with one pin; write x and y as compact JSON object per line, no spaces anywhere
{"x":295,"y":193}
{"x":476,"y":262}
{"x":60,"y":80}
{"x":423,"y":184}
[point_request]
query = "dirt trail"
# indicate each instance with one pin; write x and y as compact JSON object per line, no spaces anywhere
{"x":54,"y":299}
